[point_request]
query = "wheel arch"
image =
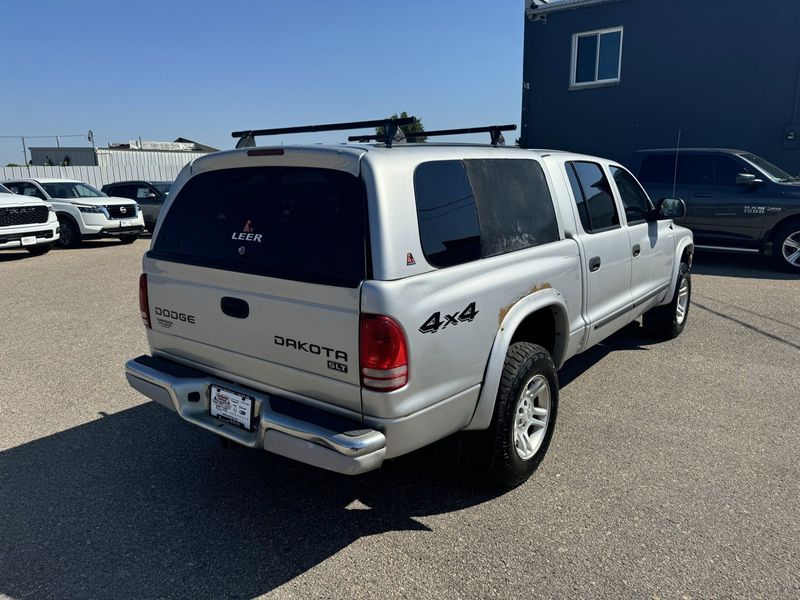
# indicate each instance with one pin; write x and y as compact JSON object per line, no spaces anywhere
{"x":69,"y":217}
{"x":684,"y":252}
{"x":540,"y":318}
{"x":787,"y":220}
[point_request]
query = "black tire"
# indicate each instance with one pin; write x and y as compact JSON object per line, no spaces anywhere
{"x":128,"y":239}
{"x":40,"y":249}
{"x":70,"y":235}
{"x":666,"y":321}
{"x":493,"y":454}
{"x":782,"y":252}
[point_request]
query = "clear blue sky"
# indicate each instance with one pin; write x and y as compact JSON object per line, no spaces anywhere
{"x":200,"y":70}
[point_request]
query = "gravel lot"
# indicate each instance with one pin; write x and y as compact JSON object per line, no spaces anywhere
{"x":673,"y":472}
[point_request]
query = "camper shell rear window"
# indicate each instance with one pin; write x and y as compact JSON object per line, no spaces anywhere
{"x":296,"y":223}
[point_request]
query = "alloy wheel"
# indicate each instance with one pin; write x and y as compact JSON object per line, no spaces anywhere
{"x":531,"y":416}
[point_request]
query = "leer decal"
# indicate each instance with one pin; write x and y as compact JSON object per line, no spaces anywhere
{"x":247,"y":234}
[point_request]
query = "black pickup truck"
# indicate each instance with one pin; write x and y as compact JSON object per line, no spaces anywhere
{"x":735,"y":200}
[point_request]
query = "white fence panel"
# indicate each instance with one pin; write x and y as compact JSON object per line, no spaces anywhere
{"x":97,"y":176}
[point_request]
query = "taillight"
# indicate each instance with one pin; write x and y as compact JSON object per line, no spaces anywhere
{"x":384,"y":357}
{"x":144,"y":301}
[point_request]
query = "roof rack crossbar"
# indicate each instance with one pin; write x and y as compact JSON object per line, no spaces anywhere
{"x":495,"y":131}
{"x":391,"y":128}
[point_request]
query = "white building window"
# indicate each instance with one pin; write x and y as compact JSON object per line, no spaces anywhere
{"x":596,"y":57}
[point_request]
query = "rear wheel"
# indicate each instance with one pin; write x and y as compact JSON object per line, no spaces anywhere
{"x":786,"y":247}
{"x":40,"y":249}
{"x":69,"y":236}
{"x":668,"y":321}
{"x":128,"y":239}
{"x":524,"y":417}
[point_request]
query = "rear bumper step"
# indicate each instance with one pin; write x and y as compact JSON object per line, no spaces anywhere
{"x":281,"y":426}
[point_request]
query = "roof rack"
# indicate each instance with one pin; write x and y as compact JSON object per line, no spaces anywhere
{"x":495,"y":131}
{"x":391,"y":130}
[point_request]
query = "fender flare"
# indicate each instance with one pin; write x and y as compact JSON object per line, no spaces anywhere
{"x":684,"y":243}
{"x":547,"y":298}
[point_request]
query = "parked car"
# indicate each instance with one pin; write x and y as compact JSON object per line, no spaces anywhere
{"x":26,"y":222}
{"x":84,"y":212}
{"x":735,"y":200}
{"x":150,"y":195}
{"x":341,"y":305}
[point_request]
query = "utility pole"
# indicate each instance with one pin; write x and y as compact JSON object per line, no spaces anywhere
{"x":25,"y":154}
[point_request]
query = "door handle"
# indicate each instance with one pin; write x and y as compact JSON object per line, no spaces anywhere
{"x":234,"y":307}
{"x":636,"y":250}
{"x":702,"y":195}
{"x":594,"y":264}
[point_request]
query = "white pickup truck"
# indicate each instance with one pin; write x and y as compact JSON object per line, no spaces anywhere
{"x":341,"y":305}
{"x":26,"y":222}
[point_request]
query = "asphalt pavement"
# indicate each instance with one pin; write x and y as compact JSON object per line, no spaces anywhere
{"x":673,"y":472}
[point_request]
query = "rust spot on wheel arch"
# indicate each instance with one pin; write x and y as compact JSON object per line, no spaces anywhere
{"x":504,"y":311}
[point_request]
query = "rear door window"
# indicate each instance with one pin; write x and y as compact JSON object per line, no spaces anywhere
{"x":296,"y":223}
{"x":659,"y":168}
{"x":591,"y":187}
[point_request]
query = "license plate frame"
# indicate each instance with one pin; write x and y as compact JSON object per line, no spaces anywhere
{"x":28,"y":240}
{"x":231,"y":407}
{"x":125,"y":223}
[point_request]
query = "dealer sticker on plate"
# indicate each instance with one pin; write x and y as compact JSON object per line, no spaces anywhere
{"x":28,"y":240}
{"x":232,"y":407}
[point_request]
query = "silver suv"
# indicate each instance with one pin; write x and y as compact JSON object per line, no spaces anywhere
{"x":341,"y":305}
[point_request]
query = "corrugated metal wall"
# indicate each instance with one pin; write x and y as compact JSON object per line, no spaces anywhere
{"x":98,"y":176}
{"x":111,"y":157}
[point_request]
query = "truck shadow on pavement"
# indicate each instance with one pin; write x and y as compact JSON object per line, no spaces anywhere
{"x":140,"y":505}
{"x":631,"y":337}
{"x":12,"y":255}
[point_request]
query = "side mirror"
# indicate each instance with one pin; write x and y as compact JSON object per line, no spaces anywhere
{"x":150,"y":196}
{"x":747,"y":179}
{"x":671,"y":208}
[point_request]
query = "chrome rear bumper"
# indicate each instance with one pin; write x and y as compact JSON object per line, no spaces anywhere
{"x":282,"y":426}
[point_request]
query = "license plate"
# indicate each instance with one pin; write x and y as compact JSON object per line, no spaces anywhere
{"x":126,"y":223}
{"x":232,"y":407}
{"x":29,"y":240}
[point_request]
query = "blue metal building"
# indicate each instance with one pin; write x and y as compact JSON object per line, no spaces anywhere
{"x":609,"y":77}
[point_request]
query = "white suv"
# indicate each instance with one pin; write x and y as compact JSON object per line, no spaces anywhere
{"x":29,"y":223}
{"x":83,"y":211}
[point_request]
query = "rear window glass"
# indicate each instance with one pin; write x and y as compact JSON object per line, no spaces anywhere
{"x":294,"y":223}
{"x":515,"y":209}
{"x":446,"y":213}
{"x":472,"y":209}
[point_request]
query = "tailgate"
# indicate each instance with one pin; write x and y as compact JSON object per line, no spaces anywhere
{"x":255,"y":274}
